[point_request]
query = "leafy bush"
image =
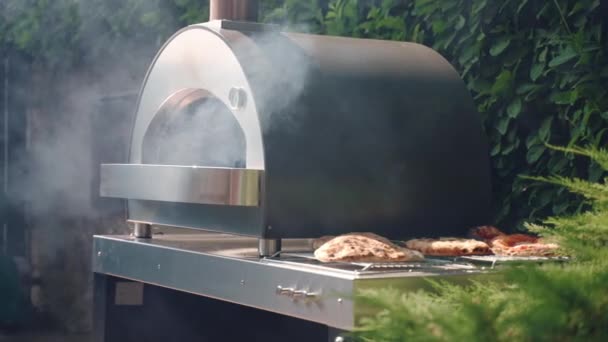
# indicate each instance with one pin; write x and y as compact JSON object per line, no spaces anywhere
{"x":554,"y":302}
{"x":64,"y":34}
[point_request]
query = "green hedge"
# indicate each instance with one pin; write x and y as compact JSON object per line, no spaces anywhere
{"x":66,"y":34}
{"x":536,"y":68}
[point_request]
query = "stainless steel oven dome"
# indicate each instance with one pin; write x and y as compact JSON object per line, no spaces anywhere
{"x":244,"y":129}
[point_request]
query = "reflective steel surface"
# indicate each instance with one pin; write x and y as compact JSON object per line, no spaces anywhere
{"x":229,"y":268}
{"x":233,"y":10}
{"x":352,"y":134}
{"x":183,"y":184}
{"x":142,"y":230}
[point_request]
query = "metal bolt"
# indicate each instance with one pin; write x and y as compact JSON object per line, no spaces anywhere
{"x":340,"y":300}
{"x":339,"y":339}
{"x":158,"y":266}
{"x":99,"y":253}
{"x":242,"y":282}
{"x":237,"y":98}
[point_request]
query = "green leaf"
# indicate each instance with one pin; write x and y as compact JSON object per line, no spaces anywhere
{"x":481,"y":85}
{"x":532,"y":140}
{"x":534,"y":153}
{"x":496,"y":150}
{"x":521,"y":6}
{"x":577,"y":7}
{"x":577,"y":114}
{"x":505,"y":151}
{"x":503,"y":82}
{"x":468,"y":53}
{"x":545,"y":129}
{"x":561,"y":97}
{"x":501,"y":44}
{"x":542,"y":57}
{"x":525,"y":88}
{"x":542,"y":11}
{"x":514,"y":108}
{"x":503,"y":125}
{"x":460,"y":22}
{"x":536,"y":71}
{"x":478,"y":6}
{"x":562,"y":58}
{"x":439,"y":26}
{"x":564,"y":97}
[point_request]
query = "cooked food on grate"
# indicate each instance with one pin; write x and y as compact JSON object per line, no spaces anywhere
{"x":323,"y":239}
{"x":505,"y":241}
{"x":522,"y":245}
{"x":514,"y":244}
{"x":485,"y":233}
{"x":320,"y":241}
{"x":529,"y":249}
{"x":364,"y":247}
{"x":449,"y":247}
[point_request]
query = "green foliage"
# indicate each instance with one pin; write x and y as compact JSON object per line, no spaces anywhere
{"x":303,"y":16}
{"x":553,"y":302}
{"x":537,"y":71}
{"x":46,"y":30}
{"x":62,"y":34}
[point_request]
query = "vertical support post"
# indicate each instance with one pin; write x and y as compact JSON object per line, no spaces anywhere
{"x":100,"y":303}
{"x":269,"y":247}
{"x":238,"y":10}
{"x":5,"y":149}
{"x":142,"y":230}
{"x":337,"y":335}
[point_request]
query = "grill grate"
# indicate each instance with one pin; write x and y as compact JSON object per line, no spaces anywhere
{"x":495,"y":260}
{"x":436,"y":266}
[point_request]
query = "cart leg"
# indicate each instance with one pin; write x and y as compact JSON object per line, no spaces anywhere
{"x":337,"y":335}
{"x":100,"y":302}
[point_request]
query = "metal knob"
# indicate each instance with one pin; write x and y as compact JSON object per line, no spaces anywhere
{"x":299,"y":294}
{"x":295,"y":294}
{"x":237,"y":98}
{"x":286,"y":291}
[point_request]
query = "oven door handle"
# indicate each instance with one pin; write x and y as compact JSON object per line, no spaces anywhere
{"x":183,"y":184}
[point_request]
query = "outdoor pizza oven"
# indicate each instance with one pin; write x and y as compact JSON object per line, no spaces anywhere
{"x":245,"y":129}
{"x":258,"y":140}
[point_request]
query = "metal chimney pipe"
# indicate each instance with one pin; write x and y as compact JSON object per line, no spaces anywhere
{"x":238,"y":10}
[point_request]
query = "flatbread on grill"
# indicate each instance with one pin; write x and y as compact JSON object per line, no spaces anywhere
{"x":364,"y":247}
{"x":323,"y":239}
{"x":505,"y":241}
{"x":522,"y":245}
{"x":449,"y":247}
{"x":320,"y":241}
{"x":530,"y":249}
{"x":514,"y":244}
